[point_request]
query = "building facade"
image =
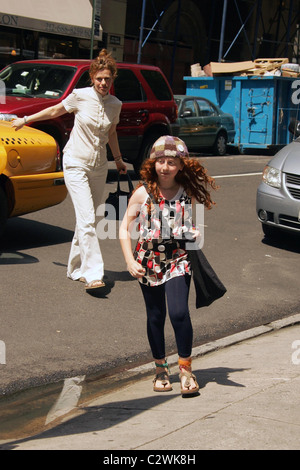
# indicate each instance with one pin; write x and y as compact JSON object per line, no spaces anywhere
{"x":172,"y":34}
{"x":38,"y":29}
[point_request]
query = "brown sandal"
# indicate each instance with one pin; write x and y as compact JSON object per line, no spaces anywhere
{"x":163,"y":377}
{"x":94,"y":285}
{"x":186,"y":371}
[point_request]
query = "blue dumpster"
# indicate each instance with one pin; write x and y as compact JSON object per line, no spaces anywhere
{"x":262,"y":106}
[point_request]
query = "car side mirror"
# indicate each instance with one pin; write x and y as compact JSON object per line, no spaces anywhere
{"x":294,"y":127}
{"x":187,"y":113}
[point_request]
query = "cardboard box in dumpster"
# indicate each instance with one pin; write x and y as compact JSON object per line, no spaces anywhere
{"x":230,"y":68}
{"x":268,"y":66}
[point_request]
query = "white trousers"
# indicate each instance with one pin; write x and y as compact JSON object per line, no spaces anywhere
{"x":86,"y":187}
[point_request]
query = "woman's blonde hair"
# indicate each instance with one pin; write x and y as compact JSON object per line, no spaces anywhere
{"x":103,"y":61}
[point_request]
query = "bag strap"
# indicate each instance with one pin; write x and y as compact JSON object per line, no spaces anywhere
{"x":130,"y":185}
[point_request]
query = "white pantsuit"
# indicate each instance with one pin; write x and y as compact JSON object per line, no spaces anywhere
{"x":85,"y":173}
{"x":86,"y":187}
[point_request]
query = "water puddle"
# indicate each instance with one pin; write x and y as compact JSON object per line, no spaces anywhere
{"x":30,"y":412}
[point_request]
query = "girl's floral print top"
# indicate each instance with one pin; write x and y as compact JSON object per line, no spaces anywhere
{"x":161,"y":227}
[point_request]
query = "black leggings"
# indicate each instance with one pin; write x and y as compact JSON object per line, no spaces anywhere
{"x":176,"y":291}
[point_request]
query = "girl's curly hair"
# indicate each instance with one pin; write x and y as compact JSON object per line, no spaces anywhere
{"x":193,"y":178}
{"x":103,"y":61}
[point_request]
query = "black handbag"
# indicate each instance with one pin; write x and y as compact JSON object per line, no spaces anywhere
{"x":116,"y":203}
{"x":208,"y":286}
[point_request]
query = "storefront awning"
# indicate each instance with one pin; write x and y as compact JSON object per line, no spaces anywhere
{"x":65,"y":17}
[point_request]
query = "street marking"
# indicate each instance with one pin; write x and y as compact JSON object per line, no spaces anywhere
{"x":237,"y":175}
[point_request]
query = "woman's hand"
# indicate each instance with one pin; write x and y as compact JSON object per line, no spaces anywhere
{"x":135,"y":269}
{"x":121,"y":167}
{"x":18,"y":123}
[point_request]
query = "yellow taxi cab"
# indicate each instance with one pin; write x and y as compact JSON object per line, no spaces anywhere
{"x":31,"y":177}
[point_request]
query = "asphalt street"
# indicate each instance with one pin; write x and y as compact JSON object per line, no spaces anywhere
{"x":51,"y":329}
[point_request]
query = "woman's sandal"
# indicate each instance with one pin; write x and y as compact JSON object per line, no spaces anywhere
{"x":94,"y":285}
{"x":186,"y":372}
{"x":163,"y":377}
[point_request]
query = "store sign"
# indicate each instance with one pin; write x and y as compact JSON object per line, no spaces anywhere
{"x":22,"y":22}
{"x":8,"y":20}
{"x":97,"y":18}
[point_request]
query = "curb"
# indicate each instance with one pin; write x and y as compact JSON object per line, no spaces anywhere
{"x":227,"y":341}
{"x":33,"y":405}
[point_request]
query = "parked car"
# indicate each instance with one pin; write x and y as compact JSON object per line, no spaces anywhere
{"x":203,"y":125}
{"x":278,"y":195}
{"x":30,"y":172}
{"x":148,"y":110}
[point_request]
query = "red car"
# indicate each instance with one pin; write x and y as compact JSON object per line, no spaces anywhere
{"x":148,"y":110}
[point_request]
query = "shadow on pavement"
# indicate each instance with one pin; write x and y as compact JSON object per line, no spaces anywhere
{"x":16,"y":258}
{"x":284,"y":241}
{"x":93,"y":419}
{"x":22,"y":234}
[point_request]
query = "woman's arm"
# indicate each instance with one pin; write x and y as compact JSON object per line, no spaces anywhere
{"x":48,"y":113}
{"x":113,"y":143}
{"x":135,"y":202}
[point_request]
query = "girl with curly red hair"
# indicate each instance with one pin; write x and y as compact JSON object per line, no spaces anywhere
{"x":171,"y":183}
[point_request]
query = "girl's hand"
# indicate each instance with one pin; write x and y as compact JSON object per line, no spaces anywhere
{"x":18,"y":123}
{"x":196,"y":233}
{"x":135,"y":269}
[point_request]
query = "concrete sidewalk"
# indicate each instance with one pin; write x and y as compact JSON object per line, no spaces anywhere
{"x":249,"y":399}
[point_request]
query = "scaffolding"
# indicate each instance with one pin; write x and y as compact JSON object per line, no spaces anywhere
{"x":279,"y":45}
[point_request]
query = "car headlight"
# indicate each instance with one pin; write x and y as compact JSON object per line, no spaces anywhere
{"x":272,"y":176}
{"x":7,"y":117}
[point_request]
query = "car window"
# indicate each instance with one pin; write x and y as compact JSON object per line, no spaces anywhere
{"x":157,"y":84}
{"x":47,"y":81}
{"x":205,"y":109}
{"x":127,"y":87}
{"x":189,"y":105}
{"x":84,"y":80}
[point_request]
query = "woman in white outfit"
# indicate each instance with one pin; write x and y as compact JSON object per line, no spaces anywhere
{"x":85,"y":162}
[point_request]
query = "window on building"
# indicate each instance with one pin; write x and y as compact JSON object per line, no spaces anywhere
{"x":9,"y":48}
{"x":51,"y":47}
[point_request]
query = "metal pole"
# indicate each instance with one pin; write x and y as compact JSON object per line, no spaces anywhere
{"x":222,"y":30}
{"x":288,"y":30}
{"x":258,"y":13}
{"x":141,"y":32}
{"x":175,"y":42}
{"x":92,"y":30}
